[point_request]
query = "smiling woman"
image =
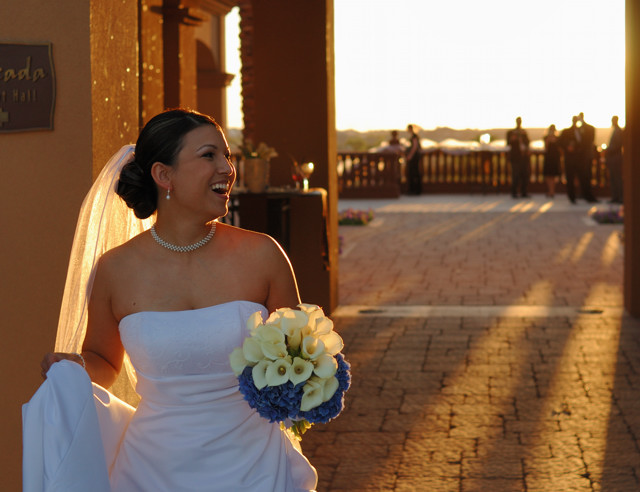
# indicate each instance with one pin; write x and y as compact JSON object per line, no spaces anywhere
{"x":177,"y":299}
{"x":469,"y":64}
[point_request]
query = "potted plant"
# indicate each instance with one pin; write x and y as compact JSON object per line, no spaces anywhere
{"x":255,"y":172}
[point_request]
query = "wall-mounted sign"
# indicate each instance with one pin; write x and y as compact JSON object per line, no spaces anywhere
{"x":27,"y":87}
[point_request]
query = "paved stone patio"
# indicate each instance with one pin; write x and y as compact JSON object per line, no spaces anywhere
{"x":489,"y":351}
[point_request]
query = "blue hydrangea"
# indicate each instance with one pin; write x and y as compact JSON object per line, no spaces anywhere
{"x":277,"y":403}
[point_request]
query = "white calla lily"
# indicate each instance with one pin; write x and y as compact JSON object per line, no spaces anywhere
{"x":254,"y":321}
{"x":252,"y":350}
{"x":259,"y":373}
{"x":307,"y":331}
{"x":278,"y":372}
{"x":314,"y":318}
{"x":332,"y":342}
{"x":274,"y":351}
{"x":269,"y":334}
{"x":312,"y":347}
{"x":325,"y":366}
{"x":238,"y":361}
{"x":295,"y":339}
{"x":292,"y":321}
{"x":301,"y":370}
{"x":271,"y":341}
{"x":323,"y":326}
{"x":313,"y":392}
{"x":309,"y":308}
{"x":275,"y":317}
{"x":329,"y":389}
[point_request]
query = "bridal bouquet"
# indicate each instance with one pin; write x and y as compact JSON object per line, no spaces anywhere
{"x":291,"y":368}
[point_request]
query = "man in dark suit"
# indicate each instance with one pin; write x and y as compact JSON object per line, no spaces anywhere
{"x":518,"y":141}
{"x":586,"y":150}
{"x":570,"y":140}
{"x":614,"y":161}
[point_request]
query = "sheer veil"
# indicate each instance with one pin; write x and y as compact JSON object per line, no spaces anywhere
{"x":104,"y":222}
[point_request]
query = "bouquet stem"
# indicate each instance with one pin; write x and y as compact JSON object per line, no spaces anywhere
{"x":299,"y":427}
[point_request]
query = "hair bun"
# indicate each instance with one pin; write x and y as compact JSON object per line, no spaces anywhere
{"x":137,"y":189}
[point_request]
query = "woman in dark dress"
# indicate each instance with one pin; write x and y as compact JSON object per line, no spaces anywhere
{"x":414,"y":158}
{"x":551,"y":167}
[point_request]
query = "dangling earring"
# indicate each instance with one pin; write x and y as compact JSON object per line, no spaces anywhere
{"x":168,"y":197}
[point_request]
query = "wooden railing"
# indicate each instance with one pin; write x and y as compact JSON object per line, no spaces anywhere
{"x":365,"y":175}
{"x":368,"y":175}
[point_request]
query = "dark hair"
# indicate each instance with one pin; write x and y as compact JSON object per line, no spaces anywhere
{"x":159,"y":141}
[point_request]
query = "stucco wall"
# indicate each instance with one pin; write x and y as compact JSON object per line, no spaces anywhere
{"x":45,"y":175}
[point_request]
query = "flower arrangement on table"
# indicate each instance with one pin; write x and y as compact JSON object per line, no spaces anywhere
{"x":290,"y":369}
{"x":611,"y":216}
{"x":355,"y":217}
{"x":262,"y":151}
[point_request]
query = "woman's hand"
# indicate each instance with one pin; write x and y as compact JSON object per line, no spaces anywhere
{"x":53,"y":357}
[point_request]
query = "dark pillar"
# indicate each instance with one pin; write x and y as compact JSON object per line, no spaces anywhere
{"x":289,"y":101}
{"x":180,"y":66}
{"x":631,"y":163}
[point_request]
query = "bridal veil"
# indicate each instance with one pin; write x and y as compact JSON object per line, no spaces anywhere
{"x":104,"y":222}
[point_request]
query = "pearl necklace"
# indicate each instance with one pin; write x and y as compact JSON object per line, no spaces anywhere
{"x":183,"y":249}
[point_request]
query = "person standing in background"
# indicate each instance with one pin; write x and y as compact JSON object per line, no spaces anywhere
{"x":570,"y":143}
{"x":585,"y":159}
{"x":394,"y":144}
{"x":551,"y":166}
{"x":614,"y":161}
{"x":518,"y":141}
{"x":414,"y":158}
{"x":394,"y":140}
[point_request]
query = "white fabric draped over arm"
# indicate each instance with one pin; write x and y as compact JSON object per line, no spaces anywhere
{"x":72,"y":430}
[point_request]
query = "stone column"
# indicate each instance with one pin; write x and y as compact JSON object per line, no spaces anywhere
{"x":289,"y":99}
{"x":151,"y":60}
{"x":114,"y":79}
{"x":631,"y":163}
{"x":180,"y":67}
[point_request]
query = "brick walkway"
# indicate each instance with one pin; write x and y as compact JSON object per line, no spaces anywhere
{"x":489,"y":352}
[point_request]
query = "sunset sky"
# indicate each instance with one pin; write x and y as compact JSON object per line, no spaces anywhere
{"x":469,"y":63}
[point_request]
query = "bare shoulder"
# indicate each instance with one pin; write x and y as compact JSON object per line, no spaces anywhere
{"x":260,"y":262}
{"x":251,"y":243}
{"x":122,"y":258}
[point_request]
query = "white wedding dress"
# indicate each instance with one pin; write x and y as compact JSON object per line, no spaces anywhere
{"x":192,"y":430}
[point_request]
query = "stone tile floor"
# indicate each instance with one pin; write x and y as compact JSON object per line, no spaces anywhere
{"x":489,"y":351}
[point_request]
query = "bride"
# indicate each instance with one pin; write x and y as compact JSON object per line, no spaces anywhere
{"x":174,"y":300}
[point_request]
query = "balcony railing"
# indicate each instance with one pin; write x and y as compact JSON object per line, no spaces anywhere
{"x":366,"y":175}
{"x":383,"y":175}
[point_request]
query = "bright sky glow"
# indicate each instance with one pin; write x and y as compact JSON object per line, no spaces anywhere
{"x":469,"y":63}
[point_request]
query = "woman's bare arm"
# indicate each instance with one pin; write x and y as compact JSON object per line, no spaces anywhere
{"x":102,"y":351}
{"x":102,"y":348}
{"x":283,"y":289}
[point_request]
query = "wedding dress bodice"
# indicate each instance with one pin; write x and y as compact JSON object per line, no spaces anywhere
{"x":192,"y":430}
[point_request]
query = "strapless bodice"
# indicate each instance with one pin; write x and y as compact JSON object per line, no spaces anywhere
{"x":192,"y":428}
